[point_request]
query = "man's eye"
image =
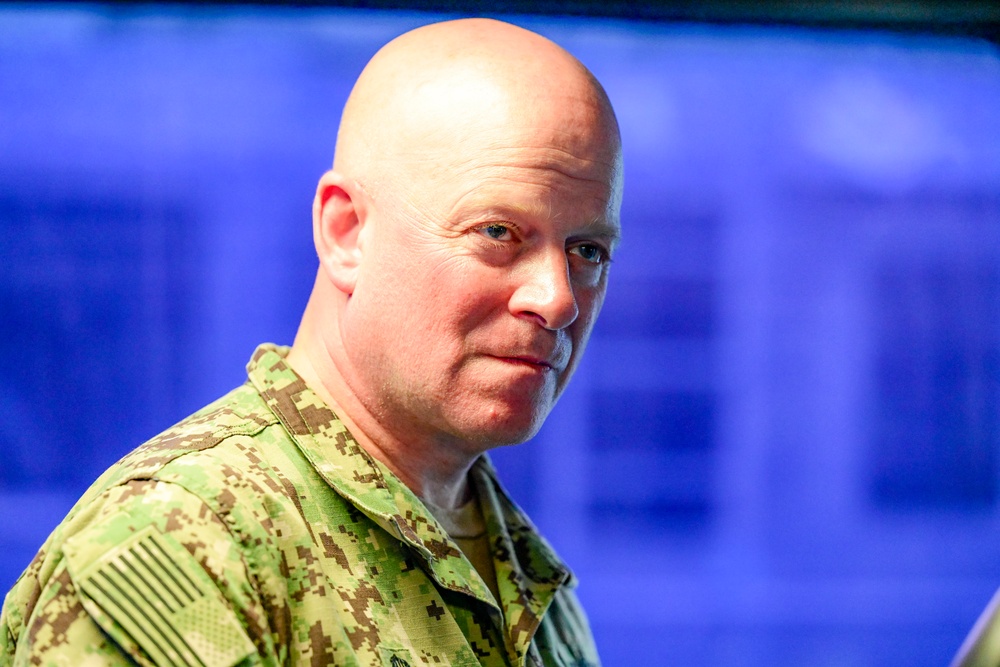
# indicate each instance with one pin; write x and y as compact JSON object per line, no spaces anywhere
{"x":594,"y":254}
{"x":496,"y":231}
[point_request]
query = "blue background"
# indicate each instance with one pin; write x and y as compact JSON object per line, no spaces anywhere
{"x":782,"y":448}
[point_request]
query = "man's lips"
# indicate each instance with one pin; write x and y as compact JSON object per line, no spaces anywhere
{"x":528,"y":360}
{"x":545,"y":355}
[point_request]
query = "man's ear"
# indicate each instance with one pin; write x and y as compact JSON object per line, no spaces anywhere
{"x":339,"y":211}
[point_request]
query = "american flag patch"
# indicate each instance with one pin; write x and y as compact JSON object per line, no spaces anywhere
{"x":161,"y":597}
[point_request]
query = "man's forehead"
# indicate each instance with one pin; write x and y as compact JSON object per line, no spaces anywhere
{"x":496,"y":175}
{"x":558,"y":165}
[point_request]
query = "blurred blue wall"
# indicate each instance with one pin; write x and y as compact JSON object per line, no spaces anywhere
{"x":782,"y":448}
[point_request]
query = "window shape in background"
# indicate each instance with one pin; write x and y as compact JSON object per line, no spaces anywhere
{"x":107,"y":270}
{"x":652,"y":454}
{"x":938,"y":385}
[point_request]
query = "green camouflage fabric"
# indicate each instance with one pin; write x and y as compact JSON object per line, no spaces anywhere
{"x":258,"y":532}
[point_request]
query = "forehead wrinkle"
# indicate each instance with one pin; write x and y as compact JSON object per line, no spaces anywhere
{"x":509,"y":160}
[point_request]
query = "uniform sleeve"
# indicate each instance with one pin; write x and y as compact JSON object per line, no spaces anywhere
{"x":147,"y":574}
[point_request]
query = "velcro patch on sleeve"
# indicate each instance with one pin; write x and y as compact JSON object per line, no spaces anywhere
{"x":156,"y":591}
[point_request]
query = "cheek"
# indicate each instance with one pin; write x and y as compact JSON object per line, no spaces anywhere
{"x":463,"y":289}
{"x":589,"y":302}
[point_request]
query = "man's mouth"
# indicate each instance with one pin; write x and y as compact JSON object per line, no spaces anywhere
{"x":530,"y":361}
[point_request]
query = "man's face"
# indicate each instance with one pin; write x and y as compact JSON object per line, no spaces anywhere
{"x":485,"y":265}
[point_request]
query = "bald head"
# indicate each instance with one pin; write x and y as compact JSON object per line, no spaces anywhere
{"x":452,"y":85}
{"x":464,"y":236}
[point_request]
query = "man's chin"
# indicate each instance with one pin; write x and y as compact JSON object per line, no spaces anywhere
{"x":500,"y":430}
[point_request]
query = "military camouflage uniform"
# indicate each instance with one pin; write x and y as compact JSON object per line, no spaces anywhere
{"x":258,"y":532}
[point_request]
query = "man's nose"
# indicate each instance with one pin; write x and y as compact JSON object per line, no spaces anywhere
{"x":545,"y":292}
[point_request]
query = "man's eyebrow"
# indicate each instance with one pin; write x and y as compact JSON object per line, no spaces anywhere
{"x":606,"y":232}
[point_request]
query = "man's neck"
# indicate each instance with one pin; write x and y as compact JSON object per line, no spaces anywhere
{"x":433,"y":471}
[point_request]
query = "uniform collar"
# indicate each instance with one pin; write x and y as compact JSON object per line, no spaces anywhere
{"x":338,"y":458}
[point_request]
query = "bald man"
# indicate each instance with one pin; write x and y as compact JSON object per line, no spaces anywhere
{"x":338,"y":508}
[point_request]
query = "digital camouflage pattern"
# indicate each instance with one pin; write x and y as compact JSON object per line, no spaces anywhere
{"x":258,"y":532}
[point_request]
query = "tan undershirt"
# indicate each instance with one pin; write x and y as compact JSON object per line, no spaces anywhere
{"x":467,"y":527}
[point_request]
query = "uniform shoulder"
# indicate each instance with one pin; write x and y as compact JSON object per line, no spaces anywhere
{"x":240,"y":412}
{"x":146,"y":564}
